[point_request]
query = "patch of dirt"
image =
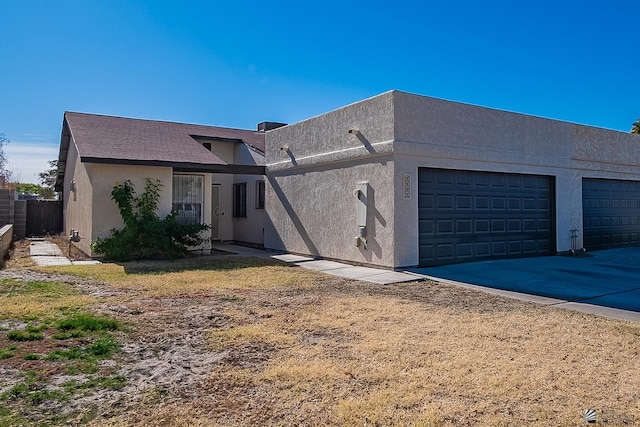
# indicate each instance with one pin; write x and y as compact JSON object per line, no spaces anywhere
{"x":165,"y":353}
{"x":69,"y":249}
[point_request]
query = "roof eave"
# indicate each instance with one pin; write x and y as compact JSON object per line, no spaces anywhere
{"x":65,"y":140}
{"x":183,"y":166}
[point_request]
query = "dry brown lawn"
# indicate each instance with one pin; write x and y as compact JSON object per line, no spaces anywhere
{"x":287,"y":346}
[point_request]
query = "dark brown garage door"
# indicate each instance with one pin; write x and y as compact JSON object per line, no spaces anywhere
{"x":610,"y":213}
{"x":469,"y":216}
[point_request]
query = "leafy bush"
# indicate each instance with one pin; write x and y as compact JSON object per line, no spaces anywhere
{"x":145,"y":235}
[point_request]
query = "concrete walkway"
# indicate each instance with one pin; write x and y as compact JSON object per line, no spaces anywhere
{"x":45,"y":253}
{"x":366,"y":274}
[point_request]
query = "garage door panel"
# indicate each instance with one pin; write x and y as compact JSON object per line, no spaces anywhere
{"x":444,"y":201}
{"x":465,"y":250}
{"x":498,"y":203}
{"x":515,"y":204}
{"x":530,"y":247}
{"x":482,"y":249}
{"x":499,"y":248}
{"x":611,"y":213}
{"x":498,"y":226}
{"x":544,"y":225}
{"x":445,"y":178}
{"x":464,"y":226}
{"x":482,"y":180}
{"x":529,"y":225}
{"x":515,"y":247}
{"x":464,"y":202}
{"x":514,"y":226}
{"x":481,"y":202}
{"x":481,"y":226}
{"x":444,"y":227}
{"x":446,"y":251}
{"x":482,"y":215}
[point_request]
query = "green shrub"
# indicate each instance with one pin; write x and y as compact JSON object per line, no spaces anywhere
{"x":145,"y":235}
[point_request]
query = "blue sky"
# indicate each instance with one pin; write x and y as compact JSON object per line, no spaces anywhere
{"x":237,"y":63}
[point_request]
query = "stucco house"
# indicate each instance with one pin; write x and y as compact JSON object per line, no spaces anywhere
{"x":402,"y":180}
{"x":211,"y":175}
{"x":397,"y":180}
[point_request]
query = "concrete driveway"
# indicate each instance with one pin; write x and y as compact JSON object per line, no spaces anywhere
{"x":608,"y":278}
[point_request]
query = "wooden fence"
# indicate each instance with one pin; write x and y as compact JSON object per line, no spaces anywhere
{"x":30,"y":218}
{"x":44,"y":217}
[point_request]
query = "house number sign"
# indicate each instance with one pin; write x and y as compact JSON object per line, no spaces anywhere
{"x":406,"y":186}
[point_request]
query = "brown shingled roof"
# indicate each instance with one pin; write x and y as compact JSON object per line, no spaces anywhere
{"x":108,"y":139}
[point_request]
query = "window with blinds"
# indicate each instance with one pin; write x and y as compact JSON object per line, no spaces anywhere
{"x":188,"y":198}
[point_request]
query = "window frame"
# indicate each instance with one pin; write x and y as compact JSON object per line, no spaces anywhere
{"x":193,"y":203}
{"x":260,"y":194}
{"x":240,"y":200}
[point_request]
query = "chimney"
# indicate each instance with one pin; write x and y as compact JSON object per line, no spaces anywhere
{"x":266,"y":126}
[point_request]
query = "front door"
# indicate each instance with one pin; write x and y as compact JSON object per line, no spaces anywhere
{"x":215,"y":212}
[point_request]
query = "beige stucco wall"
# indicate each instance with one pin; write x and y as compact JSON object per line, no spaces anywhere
{"x":77,"y":205}
{"x":311,"y":208}
{"x":243,"y":230}
{"x":224,"y":150}
{"x":103,"y":177}
{"x":251,"y":228}
{"x":315,"y":212}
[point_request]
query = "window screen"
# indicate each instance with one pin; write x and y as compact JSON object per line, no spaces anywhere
{"x":188,"y":198}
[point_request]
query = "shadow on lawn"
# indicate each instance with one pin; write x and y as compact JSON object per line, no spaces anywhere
{"x":195,"y":263}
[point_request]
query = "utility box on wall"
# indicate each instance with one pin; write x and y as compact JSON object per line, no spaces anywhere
{"x":362,"y":200}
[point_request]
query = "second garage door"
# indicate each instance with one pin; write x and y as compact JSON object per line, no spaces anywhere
{"x":611,"y":213}
{"x":468,"y":216}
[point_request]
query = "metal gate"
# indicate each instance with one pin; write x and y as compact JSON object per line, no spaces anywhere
{"x":469,"y":216}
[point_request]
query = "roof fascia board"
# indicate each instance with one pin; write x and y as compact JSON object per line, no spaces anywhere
{"x":185,"y":167}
